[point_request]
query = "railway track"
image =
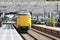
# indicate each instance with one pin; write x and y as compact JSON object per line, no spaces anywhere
{"x":42,"y":34}
{"x":34,"y":35}
{"x":27,"y":36}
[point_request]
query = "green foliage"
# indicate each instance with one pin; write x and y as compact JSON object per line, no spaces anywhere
{"x":42,"y":23}
{"x":51,"y":21}
{"x":38,"y":22}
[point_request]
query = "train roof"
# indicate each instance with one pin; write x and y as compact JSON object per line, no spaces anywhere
{"x":24,"y":12}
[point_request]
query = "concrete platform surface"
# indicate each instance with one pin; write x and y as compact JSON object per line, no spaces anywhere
{"x":48,"y":27}
{"x":8,"y":32}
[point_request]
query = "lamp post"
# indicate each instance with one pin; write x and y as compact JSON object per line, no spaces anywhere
{"x":44,"y":14}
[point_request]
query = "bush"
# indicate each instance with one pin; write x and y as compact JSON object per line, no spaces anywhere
{"x":51,"y":21}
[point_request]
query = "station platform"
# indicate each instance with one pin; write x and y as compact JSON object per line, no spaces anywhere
{"x":8,"y":22}
{"x":48,"y":27}
{"x":8,"y":32}
{"x":53,"y":31}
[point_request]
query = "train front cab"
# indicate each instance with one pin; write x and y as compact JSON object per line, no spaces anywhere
{"x":23,"y":22}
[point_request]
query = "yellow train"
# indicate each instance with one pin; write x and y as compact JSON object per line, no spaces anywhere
{"x":23,"y":22}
